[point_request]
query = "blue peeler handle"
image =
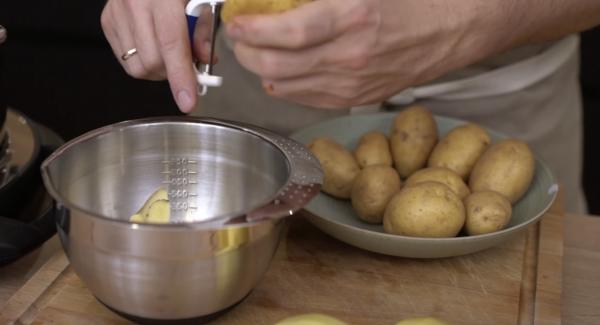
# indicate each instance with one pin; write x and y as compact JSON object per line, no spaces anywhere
{"x":191,"y":20}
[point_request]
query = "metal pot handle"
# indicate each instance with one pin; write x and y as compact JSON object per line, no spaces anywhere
{"x":303,"y":185}
{"x":193,"y":11}
{"x":17,"y":237}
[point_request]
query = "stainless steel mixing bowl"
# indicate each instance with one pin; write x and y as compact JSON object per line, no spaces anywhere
{"x":240,"y":179}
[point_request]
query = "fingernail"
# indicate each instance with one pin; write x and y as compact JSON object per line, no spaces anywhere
{"x":184,"y":101}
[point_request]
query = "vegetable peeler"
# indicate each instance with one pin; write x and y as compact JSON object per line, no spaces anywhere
{"x":204,"y":72}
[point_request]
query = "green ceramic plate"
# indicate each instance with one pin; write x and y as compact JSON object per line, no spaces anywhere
{"x":336,"y":217}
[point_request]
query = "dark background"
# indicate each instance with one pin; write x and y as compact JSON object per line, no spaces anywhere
{"x":60,"y":71}
{"x":590,"y":83}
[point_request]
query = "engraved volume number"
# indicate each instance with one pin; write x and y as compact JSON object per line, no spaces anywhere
{"x":178,"y":193}
{"x":179,"y":181}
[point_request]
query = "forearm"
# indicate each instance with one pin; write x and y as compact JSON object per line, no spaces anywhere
{"x":489,"y":27}
{"x":532,"y":21}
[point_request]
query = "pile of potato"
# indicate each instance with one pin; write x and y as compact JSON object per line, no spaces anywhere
{"x":421,"y":186}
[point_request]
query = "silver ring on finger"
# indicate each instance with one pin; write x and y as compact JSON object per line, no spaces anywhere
{"x":129,"y":54}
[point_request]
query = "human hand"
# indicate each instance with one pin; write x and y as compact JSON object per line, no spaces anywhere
{"x":342,"y":53}
{"x":158,"y":30}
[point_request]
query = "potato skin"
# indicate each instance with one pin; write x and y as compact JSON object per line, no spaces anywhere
{"x":487,"y":212}
{"x":338,"y":164}
{"x":232,"y":8}
{"x":372,"y":190}
{"x":373,"y":149}
{"x":442,"y":175}
{"x":413,"y":136}
{"x":428,"y":209}
{"x":460,"y":149}
{"x":506,"y":167}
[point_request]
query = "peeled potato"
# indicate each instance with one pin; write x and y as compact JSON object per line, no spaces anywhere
{"x":422,"y":321}
{"x":414,"y":134}
{"x":232,"y":8}
{"x":506,"y":167}
{"x":460,"y":149}
{"x":487,"y":212}
{"x":160,"y":194}
{"x":339,"y":166}
{"x":372,"y":190}
{"x":428,"y":209}
{"x":310,"y":319}
{"x":373,"y":149}
{"x":137,"y":218}
{"x":155,"y":210}
{"x":442,"y":175}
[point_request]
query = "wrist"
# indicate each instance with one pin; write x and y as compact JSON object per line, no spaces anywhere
{"x":471,"y":30}
{"x":490,"y":27}
{"x":506,"y":24}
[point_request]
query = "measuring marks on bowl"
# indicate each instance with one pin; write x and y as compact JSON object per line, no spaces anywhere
{"x":181,"y":179}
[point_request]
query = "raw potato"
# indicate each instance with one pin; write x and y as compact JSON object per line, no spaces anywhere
{"x":487,"y":212}
{"x":372,"y":190}
{"x":460,"y":149}
{"x":414,"y":134}
{"x":422,"y":321}
{"x":310,"y":319}
{"x":428,"y":209}
{"x":232,"y":8}
{"x":442,"y":175}
{"x":373,"y":149}
{"x":339,"y":166}
{"x":506,"y":167}
{"x":155,"y":210}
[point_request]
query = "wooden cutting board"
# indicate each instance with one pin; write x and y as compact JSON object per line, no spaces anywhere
{"x":516,"y":283}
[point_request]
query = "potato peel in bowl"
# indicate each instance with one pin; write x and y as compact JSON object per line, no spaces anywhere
{"x":155,"y":210}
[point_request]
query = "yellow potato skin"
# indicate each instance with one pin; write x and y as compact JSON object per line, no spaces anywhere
{"x":460,"y":149}
{"x":506,"y":167}
{"x":487,"y":212}
{"x":413,"y":136}
{"x":156,"y":209}
{"x":311,"y":319}
{"x":442,"y":175}
{"x":338,"y":164}
{"x":372,"y":190}
{"x":373,"y":149}
{"x":232,"y":8}
{"x":428,"y":209}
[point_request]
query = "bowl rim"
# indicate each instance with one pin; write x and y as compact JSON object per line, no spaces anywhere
{"x":220,"y":221}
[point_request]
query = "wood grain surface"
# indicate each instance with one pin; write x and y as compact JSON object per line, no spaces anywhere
{"x":581,"y":277}
{"x":312,"y":272}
